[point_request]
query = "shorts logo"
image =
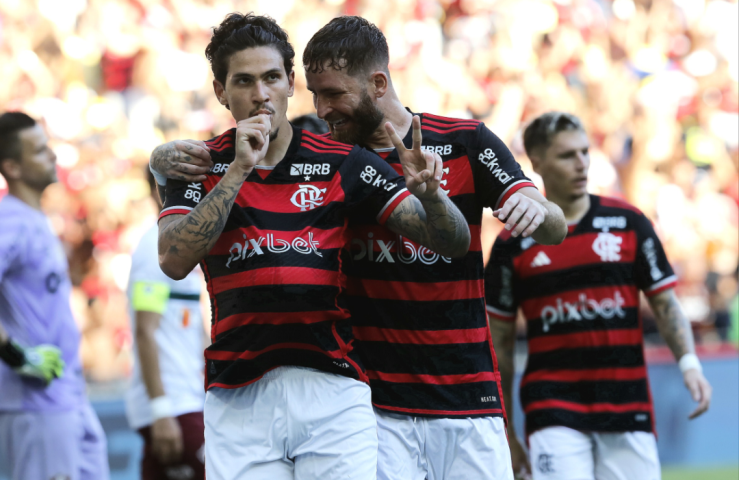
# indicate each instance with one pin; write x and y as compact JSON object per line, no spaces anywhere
{"x":180,"y":472}
{"x":608,"y":247}
{"x":59,"y":476}
{"x":544,"y":463}
{"x":308,"y":197}
{"x":490,"y":160}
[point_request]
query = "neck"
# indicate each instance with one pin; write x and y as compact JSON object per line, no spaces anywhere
{"x":573,"y":208}
{"x":25,"y":194}
{"x":278,"y":147}
{"x":396,"y":114}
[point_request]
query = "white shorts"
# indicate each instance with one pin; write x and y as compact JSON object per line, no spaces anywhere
{"x":64,"y":446}
{"x":420,"y":448}
{"x":292,"y":423}
{"x":561,"y":453}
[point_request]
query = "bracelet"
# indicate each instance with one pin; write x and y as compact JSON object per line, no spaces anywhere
{"x":12,"y":355}
{"x":161,"y":179}
{"x":689,"y":361}
{"x":161,"y":407}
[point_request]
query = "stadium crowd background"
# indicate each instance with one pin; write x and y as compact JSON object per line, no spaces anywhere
{"x":654,"y":81}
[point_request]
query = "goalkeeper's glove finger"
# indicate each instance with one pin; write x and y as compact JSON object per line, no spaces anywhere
{"x":43,"y":362}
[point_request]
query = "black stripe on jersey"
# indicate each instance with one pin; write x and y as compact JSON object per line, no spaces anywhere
{"x":424,"y":396}
{"x":580,"y":358}
{"x":291,"y":258}
{"x":534,"y":328}
{"x":262,"y":336}
{"x":615,"y":392}
{"x":271,"y":298}
{"x":468,"y":267}
{"x":315,"y":219}
{"x":449,"y":359}
{"x":635,"y":421}
{"x":440,"y":315}
{"x":580,"y":277}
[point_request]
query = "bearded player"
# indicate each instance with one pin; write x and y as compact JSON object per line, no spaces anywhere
{"x":419,"y":317}
{"x":585,"y":392}
{"x":47,"y":426}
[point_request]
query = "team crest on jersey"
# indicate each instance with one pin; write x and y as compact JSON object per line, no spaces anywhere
{"x":308,"y":197}
{"x":608,"y":247}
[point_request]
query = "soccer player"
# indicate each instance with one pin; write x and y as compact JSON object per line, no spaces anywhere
{"x":164,"y":402}
{"x":419,"y":316}
{"x":47,"y":426}
{"x":268,"y":225}
{"x":585,"y":392}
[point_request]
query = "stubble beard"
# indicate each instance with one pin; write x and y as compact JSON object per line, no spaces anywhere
{"x":366,"y":118}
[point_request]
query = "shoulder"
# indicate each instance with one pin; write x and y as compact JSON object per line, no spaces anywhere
{"x":614,"y":204}
{"x":312,"y":145}
{"x":15,"y":216}
{"x":447,"y":125}
{"x":222,"y":142}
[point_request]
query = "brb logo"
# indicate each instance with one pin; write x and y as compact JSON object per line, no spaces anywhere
{"x":490,"y":160}
{"x":608,"y":247}
{"x":583,"y":309}
{"x":308,"y":197}
{"x":406,"y":252}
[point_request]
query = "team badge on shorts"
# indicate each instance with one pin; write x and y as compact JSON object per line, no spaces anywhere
{"x":544,"y":463}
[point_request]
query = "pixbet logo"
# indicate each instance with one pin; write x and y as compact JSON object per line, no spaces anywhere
{"x":490,"y":160}
{"x":584,"y":309}
{"x":406,"y":251}
{"x":608,"y":247}
{"x":242,"y":251}
{"x":308,"y":197}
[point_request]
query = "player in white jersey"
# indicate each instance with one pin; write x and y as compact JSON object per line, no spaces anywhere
{"x":165,"y":400}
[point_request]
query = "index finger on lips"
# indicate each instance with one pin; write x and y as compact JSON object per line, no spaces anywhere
{"x":397,"y":142}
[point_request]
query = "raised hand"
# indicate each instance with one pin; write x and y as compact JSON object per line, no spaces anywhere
{"x":422,"y":170}
{"x":186,"y":160}
{"x":252,"y":141}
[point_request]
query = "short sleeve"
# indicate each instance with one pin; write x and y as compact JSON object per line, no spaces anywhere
{"x":652,"y":271}
{"x":499,"y":284}
{"x":180,"y":198}
{"x":370,"y":181}
{"x":497,"y":174}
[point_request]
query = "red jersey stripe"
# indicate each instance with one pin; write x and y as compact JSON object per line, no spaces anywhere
{"x":432,"y":129}
{"x":432,"y":379}
{"x":322,"y":144}
{"x":511,"y":190}
{"x":322,"y":150}
{"x":326,"y":139}
{"x":591,"y":338}
{"x":391,"y":205}
{"x":427,"y":121}
{"x":589,"y":408}
{"x":288,"y":198}
{"x":277,"y":276}
{"x":448,"y":119}
{"x":586,"y":375}
{"x":252,"y":354}
{"x":422,"y":337}
{"x":416,"y":291}
{"x":175,"y":211}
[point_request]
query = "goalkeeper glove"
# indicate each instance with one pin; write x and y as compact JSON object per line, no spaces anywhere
{"x":42,"y":361}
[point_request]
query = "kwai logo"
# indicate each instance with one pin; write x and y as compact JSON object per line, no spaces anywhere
{"x":405,"y":253}
{"x":241,"y":251}
{"x":490,"y":160}
{"x":584,"y":309}
{"x":308,"y":197}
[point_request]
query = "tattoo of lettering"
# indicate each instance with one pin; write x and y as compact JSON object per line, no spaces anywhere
{"x":435,"y":223}
{"x":672,"y":323}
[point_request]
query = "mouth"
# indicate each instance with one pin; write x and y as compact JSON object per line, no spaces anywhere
{"x":262,"y":111}
{"x":580,"y":181}
{"x":337,"y":124}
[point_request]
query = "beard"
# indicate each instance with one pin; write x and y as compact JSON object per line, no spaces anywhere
{"x":366,"y":118}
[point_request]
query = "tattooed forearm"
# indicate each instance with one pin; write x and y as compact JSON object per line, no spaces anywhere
{"x":672,"y":323}
{"x":435,"y":223}
{"x":184,"y":240}
{"x":504,"y":342}
{"x":167,"y":160}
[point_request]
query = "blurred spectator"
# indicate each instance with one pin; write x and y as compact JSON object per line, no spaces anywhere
{"x":655,"y":82}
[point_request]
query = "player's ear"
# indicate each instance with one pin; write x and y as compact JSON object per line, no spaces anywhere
{"x":291,"y":83}
{"x":535,"y":162}
{"x":10,"y":169}
{"x":220,"y":92}
{"x":380,"y":83}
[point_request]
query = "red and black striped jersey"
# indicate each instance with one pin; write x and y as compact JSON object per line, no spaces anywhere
{"x":585,"y":367}
{"x":274,"y":275}
{"x":419,"y":318}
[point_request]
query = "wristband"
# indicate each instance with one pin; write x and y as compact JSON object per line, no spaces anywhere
{"x":161,"y":407}
{"x":12,"y":355}
{"x":161,"y":179}
{"x":689,"y":361}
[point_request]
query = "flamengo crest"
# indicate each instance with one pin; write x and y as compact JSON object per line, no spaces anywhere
{"x":308,"y":197}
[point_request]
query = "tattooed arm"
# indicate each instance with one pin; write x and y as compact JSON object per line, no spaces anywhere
{"x":436,"y":223}
{"x":186,"y":160}
{"x":675,"y":328}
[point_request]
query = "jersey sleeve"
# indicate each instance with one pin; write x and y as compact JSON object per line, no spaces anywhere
{"x":652,"y":271}
{"x":370,"y":181}
{"x":499,"y":284}
{"x":150,"y":287}
{"x":180,"y":198}
{"x":497,"y":174}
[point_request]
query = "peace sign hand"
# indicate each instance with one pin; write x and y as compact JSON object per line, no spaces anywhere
{"x":422,"y":169}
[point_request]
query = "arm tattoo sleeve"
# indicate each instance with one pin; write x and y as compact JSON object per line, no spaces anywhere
{"x":436,"y":224}
{"x":672,"y":323}
{"x":164,"y":160}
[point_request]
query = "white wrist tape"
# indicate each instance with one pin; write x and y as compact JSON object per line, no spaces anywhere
{"x":161,"y":407}
{"x":161,"y":179}
{"x":689,"y":361}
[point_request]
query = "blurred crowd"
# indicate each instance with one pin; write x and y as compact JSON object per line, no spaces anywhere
{"x":654,"y":81}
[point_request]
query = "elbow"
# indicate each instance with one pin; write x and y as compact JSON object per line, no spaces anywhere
{"x":458,"y":249}
{"x":173,"y":269}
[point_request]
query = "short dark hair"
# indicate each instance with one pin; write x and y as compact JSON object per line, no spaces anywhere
{"x":347,"y":42}
{"x":542,"y":129}
{"x":238,"y":32}
{"x":11,"y":123}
